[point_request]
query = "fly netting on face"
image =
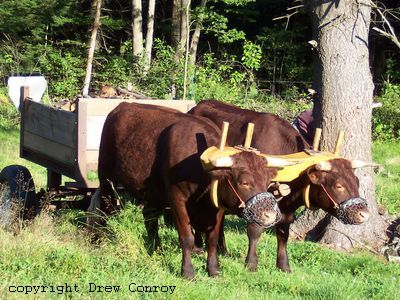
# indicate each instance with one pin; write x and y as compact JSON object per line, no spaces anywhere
{"x":349,"y":209}
{"x":262,"y":209}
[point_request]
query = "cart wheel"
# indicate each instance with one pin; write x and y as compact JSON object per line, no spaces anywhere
{"x":17,"y":195}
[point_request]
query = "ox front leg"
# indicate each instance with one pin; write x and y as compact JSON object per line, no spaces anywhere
{"x":186,"y":237}
{"x":282,"y":234}
{"x":254,"y":232}
{"x":212,"y":243}
{"x":150,"y":215}
{"x":222,"y":249}
{"x":186,"y":240}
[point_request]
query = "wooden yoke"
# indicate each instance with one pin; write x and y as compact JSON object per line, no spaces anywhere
{"x":214,"y":183}
{"x":339,"y":142}
{"x":249,"y":135}
{"x":224,"y":135}
{"x":317,"y":138}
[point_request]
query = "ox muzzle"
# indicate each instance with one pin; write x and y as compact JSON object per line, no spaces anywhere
{"x":353,"y":211}
{"x":262,"y":209}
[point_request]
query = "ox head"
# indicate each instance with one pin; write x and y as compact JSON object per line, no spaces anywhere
{"x":240,"y":180}
{"x":335,"y":185}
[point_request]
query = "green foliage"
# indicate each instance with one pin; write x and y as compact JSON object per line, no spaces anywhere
{"x":36,"y":20}
{"x":392,"y":69}
{"x":9,"y":115}
{"x":163,"y":74}
{"x":217,"y":25}
{"x":283,"y":58}
{"x":113,"y":70}
{"x":386,"y":119}
{"x":215,"y":80}
{"x":387,"y":153}
{"x":66,"y":72}
{"x":251,"y":55}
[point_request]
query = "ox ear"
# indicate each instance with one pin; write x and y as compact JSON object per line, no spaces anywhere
{"x":315,"y":176}
{"x":218,"y":174}
{"x":272,"y":172}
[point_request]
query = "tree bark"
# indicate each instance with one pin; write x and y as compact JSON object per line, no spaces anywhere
{"x":196,"y":35}
{"x":92,"y":47}
{"x":344,"y":87}
{"x":137,"y":32}
{"x":180,"y":27}
{"x":176,"y":21}
{"x":150,"y":30}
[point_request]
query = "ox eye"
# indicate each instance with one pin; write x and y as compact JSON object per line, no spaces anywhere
{"x":339,"y":187}
{"x":244,"y":183}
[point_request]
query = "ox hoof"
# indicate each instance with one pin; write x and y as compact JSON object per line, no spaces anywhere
{"x":213,"y":272}
{"x":187,"y":273}
{"x":285,"y":269}
{"x":252,"y":266}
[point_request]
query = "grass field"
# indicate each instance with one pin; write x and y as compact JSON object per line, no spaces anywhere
{"x":56,"y":251}
{"x":388,"y":180}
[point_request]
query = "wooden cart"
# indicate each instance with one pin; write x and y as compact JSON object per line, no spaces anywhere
{"x":66,"y":143}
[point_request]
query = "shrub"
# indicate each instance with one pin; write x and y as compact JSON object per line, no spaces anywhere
{"x":64,"y":72}
{"x":386,"y":119}
{"x":9,"y":115}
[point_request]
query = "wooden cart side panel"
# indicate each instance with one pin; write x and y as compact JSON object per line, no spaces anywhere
{"x":47,"y":148}
{"x":91,"y":116}
{"x":47,"y":135}
{"x":80,"y":154}
{"x":49,"y":123}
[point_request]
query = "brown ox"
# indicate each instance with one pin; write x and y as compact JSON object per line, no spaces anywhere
{"x":332,"y":184}
{"x":154,"y":153}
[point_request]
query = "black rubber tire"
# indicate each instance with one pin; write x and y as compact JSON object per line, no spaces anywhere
{"x":16,"y":184}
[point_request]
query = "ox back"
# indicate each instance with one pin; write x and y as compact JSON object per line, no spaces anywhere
{"x":272,"y":134}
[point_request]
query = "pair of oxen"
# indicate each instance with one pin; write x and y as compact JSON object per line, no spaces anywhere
{"x":167,"y":158}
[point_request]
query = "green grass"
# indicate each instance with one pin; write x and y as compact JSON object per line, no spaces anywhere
{"x":55,"y":251}
{"x":9,"y":145}
{"x":388,"y":179}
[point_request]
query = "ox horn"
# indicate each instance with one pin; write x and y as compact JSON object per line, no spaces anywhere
{"x":222,"y":162}
{"x":323,"y":166}
{"x":275,"y":162}
{"x":357,"y":163}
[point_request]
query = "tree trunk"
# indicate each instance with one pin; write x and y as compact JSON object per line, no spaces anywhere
{"x":150,"y":30}
{"x":176,"y":23}
{"x":180,"y":27}
{"x":196,"y":35}
{"x":344,"y":87}
{"x":137,"y":33}
{"x":92,"y":47}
